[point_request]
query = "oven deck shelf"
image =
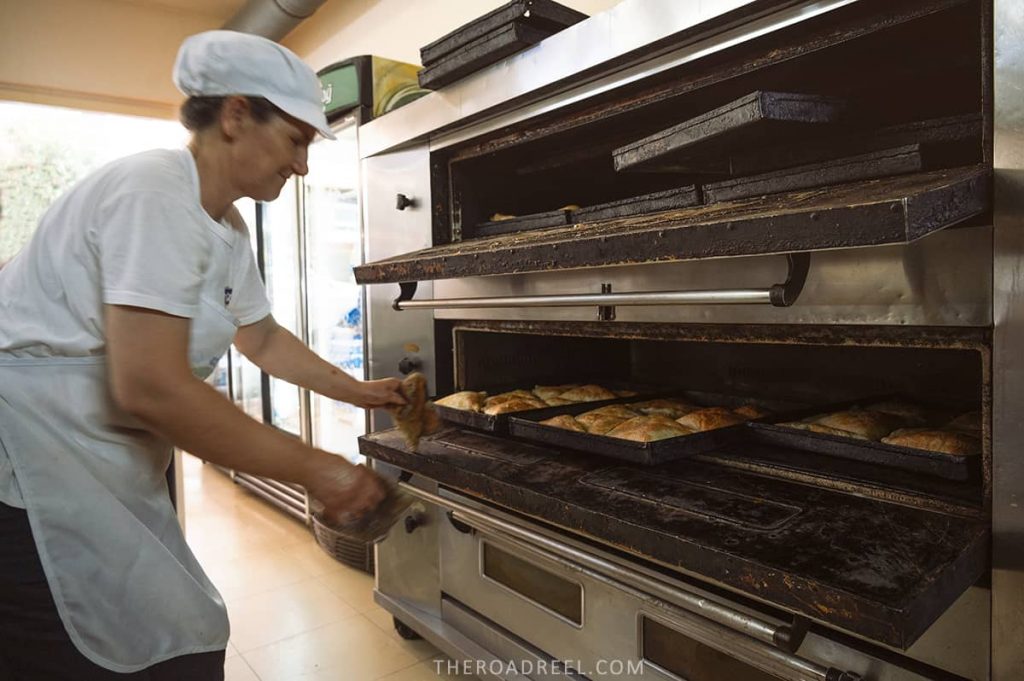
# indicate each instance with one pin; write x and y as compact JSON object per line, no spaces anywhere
{"x":895,"y":571}
{"x":870,"y":213}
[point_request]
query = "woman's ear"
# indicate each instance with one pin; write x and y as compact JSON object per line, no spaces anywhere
{"x":235,"y":113}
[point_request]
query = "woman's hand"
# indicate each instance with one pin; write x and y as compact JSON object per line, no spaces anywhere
{"x":380,"y":393}
{"x":346,"y":492}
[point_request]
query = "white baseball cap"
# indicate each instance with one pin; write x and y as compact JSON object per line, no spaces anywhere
{"x":223,"y":63}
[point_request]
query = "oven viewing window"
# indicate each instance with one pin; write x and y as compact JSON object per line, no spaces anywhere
{"x":687,"y":659}
{"x":544,"y":588}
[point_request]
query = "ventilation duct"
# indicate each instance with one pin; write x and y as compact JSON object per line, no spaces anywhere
{"x":272,"y":19}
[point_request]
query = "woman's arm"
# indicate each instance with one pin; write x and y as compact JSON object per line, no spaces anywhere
{"x":277,"y":351}
{"x":150,"y":378}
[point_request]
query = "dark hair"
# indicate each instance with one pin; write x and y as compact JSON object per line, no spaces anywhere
{"x":198,"y":113}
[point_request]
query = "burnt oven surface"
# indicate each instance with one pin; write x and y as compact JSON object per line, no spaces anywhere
{"x":881,"y":570}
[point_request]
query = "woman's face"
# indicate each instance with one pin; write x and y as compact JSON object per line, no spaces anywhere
{"x":267,"y":153}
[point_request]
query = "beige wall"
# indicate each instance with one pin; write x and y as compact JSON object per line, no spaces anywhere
{"x":392,"y":28}
{"x":105,"y":55}
{"x":116,"y":55}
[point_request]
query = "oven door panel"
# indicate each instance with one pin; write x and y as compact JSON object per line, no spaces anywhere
{"x":896,"y":570}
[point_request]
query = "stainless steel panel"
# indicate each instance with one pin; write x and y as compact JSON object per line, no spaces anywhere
{"x":407,"y":563}
{"x":944,"y":280}
{"x":390,"y":335}
{"x":1008,"y":347}
{"x":600,"y":41}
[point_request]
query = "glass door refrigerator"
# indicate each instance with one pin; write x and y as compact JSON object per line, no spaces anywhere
{"x":308,"y":241}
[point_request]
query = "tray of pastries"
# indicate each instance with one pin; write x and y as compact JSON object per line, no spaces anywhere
{"x":489,"y":410}
{"x":644,"y":430}
{"x":895,"y":432}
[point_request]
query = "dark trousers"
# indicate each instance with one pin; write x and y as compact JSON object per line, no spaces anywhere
{"x":34,"y":645}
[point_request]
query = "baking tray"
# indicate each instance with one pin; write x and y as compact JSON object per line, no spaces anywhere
{"x":680,"y":197}
{"x":904,"y":159}
{"x":484,"y":51}
{"x":526,"y":425}
{"x":499,"y":423}
{"x":702,"y":144}
{"x":522,"y":223}
{"x":938,"y":464}
{"x":541,"y":14}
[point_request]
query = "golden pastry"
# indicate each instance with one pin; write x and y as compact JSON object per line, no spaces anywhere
{"x":910,"y":413}
{"x":564,"y":421}
{"x":874,"y":425}
{"x":603,"y":424}
{"x":514,"y":404}
{"x":557,"y":402}
{"x":648,"y":429}
{"x":947,"y":441}
{"x":710,"y":418}
{"x":824,"y":430}
{"x":467,"y":400}
{"x":670,"y":407}
{"x":588,"y":393}
{"x":968,"y":423}
{"x":752,"y":411}
{"x":618,"y":411}
{"x":547,"y":392}
{"x":495,"y":400}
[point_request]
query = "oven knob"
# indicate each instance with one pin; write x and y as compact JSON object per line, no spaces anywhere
{"x":402,"y":202}
{"x":412,"y":522}
{"x":407,"y":365}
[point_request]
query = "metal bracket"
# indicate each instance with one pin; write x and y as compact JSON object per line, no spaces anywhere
{"x":408,"y":290}
{"x":606,"y":313}
{"x":786,"y":293}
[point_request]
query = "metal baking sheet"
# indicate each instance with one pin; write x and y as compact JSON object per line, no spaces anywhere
{"x":484,"y":51}
{"x":938,"y":464}
{"x":701,"y":144}
{"x":680,"y":197}
{"x":499,"y":423}
{"x":523,"y":223}
{"x":897,"y":161}
{"x":528,"y":427}
{"x":541,"y":14}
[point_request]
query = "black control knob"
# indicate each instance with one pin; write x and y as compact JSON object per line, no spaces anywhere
{"x":412,"y":522}
{"x":402,"y":202}
{"x":407,"y":365}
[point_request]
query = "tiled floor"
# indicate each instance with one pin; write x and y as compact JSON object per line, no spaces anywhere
{"x":296,"y":614}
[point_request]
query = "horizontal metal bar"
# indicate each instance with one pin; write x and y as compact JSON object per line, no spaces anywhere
{"x":750,"y":626}
{"x":286,"y":503}
{"x":715,"y":297}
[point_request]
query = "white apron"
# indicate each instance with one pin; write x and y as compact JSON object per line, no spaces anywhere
{"x":93,"y":483}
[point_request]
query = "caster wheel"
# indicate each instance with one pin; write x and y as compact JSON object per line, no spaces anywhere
{"x":405,"y":631}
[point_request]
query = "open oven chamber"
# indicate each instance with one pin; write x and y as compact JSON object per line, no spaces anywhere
{"x":745,"y":558}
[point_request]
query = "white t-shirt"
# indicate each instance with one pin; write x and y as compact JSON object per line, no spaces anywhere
{"x":129,"y":591}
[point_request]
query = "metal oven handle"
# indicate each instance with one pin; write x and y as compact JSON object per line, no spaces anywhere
{"x":753,"y":631}
{"x":779,"y":295}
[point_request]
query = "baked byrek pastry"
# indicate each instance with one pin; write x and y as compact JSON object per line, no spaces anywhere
{"x":511,"y":395}
{"x":557,"y":402}
{"x":818,"y":428}
{"x":617,"y":411}
{"x":968,"y":423}
{"x":514,"y":404}
{"x":602,"y":424}
{"x":752,"y":411}
{"x":549,"y":392}
{"x":588,"y":393}
{"x":946,"y":441}
{"x":670,"y":407}
{"x":467,"y":400}
{"x":874,"y":425}
{"x":710,"y":418}
{"x":912,"y":414}
{"x":648,"y":429}
{"x":564,"y":421}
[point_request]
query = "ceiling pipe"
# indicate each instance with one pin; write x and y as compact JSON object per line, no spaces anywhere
{"x":272,"y":19}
